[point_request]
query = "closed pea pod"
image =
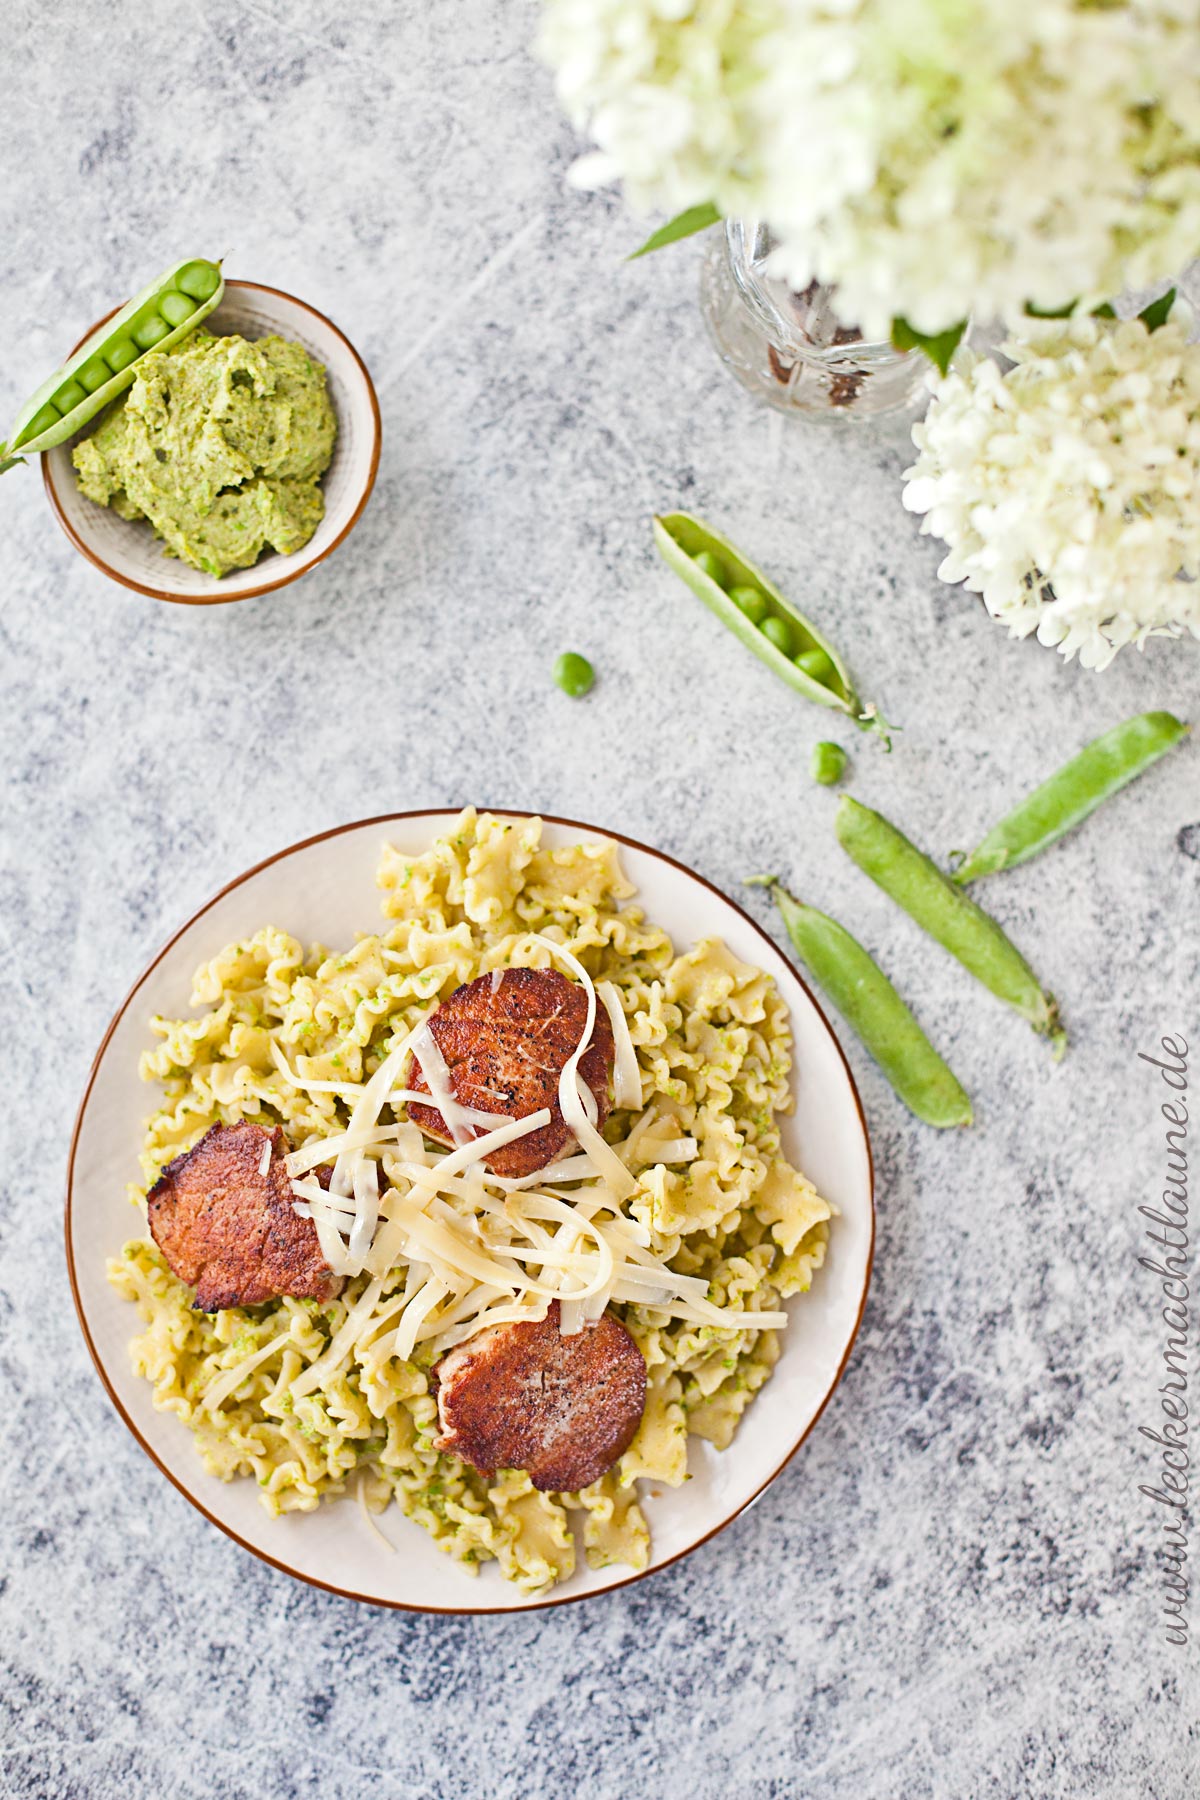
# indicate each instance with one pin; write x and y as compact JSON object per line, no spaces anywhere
{"x":929,"y":897}
{"x":105,"y":365}
{"x":1101,"y":768}
{"x":873,"y":1009}
{"x":757,"y":613}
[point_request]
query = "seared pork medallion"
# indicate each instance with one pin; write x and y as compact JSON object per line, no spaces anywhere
{"x":523,"y":1396}
{"x":222,"y":1215}
{"x":505,"y":1039}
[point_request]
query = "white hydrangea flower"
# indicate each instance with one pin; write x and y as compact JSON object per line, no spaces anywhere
{"x":929,"y":158}
{"x":1068,"y":487}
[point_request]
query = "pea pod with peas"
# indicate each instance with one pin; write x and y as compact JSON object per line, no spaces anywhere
{"x":105,"y":365}
{"x":756,"y":612}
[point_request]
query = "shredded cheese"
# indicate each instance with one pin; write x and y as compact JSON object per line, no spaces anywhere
{"x":627,"y":1077}
{"x":342,"y":1343}
{"x":484,"y":1249}
{"x":428,"y":1056}
{"x":225,"y":1384}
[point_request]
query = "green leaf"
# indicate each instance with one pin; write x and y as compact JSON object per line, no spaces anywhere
{"x":1157,"y":312}
{"x":939,"y":347}
{"x":8,"y":462}
{"x":1103,"y":311}
{"x":684,"y":224}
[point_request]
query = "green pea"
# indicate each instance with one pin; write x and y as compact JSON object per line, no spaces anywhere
{"x":70,"y":395}
{"x":712,"y":566}
{"x":778,"y":632}
{"x":42,"y":421}
{"x":817,"y":666}
{"x":199,"y":279}
{"x":574,"y":674}
{"x":751,"y":601}
{"x":120,"y":354}
{"x":95,"y":374}
{"x":175,"y":308}
{"x":150,"y":332}
{"x":828,"y":763}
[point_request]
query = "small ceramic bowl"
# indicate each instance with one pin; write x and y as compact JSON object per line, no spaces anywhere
{"x":130,"y":553}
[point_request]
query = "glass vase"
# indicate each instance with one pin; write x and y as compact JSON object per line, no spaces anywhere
{"x":791,"y":349}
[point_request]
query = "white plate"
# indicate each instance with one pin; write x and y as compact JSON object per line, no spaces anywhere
{"x":128,"y":551}
{"x":324,"y":890}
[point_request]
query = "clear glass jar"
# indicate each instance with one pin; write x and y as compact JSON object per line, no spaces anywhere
{"x":790,"y":348}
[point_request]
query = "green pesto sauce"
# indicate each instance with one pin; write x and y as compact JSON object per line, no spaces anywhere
{"x":220,"y":444}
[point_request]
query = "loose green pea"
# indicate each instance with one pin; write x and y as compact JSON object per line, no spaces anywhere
{"x":199,"y":279}
{"x":712,"y":566}
{"x":150,"y":332}
{"x":118,"y":356}
{"x":817,"y":666}
{"x":175,"y":308}
{"x":574,"y":674}
{"x":778,"y":632}
{"x":751,"y":601}
{"x":94,"y":375}
{"x":828,"y":763}
{"x":70,"y":395}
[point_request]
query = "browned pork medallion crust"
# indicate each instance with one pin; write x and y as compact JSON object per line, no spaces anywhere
{"x":505,"y":1044}
{"x":523,"y":1396}
{"x":227,"y":1228}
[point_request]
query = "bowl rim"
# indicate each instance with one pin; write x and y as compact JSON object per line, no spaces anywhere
{"x":266,"y":587}
{"x":535,"y":1605}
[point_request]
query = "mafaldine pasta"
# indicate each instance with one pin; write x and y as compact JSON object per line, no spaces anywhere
{"x":684,"y":1218}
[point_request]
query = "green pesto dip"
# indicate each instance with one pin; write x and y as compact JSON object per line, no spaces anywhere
{"x":220,"y":444}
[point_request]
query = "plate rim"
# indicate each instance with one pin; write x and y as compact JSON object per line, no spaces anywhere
{"x":266,"y":587}
{"x":405,"y":1606}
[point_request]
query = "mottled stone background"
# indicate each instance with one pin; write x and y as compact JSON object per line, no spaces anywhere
{"x":950,"y":1591}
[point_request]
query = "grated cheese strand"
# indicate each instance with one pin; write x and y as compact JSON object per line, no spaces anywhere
{"x":225,"y":1384}
{"x":627,"y":1077}
{"x":342,"y":1343}
{"x":608,"y":1164}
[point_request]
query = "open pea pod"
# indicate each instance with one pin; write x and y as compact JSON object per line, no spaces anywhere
{"x":745,"y":601}
{"x":105,"y":364}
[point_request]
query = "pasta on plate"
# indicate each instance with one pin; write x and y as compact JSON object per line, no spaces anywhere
{"x":708,"y":1218}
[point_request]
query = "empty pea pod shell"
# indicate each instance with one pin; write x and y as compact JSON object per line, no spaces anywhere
{"x":870,"y":1005}
{"x":681,"y":539}
{"x":1072,"y":792}
{"x":89,"y":381}
{"x":914,"y":881}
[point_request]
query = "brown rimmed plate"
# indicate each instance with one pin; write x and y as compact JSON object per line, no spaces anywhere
{"x":128,"y":551}
{"x":323,"y":889}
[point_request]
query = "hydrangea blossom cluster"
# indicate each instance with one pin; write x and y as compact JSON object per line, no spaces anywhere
{"x":929,"y":158}
{"x":1068,"y":487}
